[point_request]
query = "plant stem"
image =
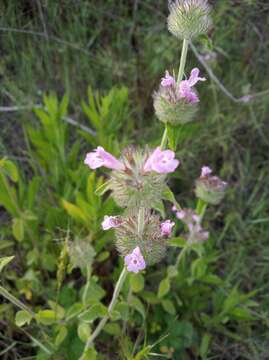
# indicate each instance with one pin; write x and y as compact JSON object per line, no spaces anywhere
{"x":164,"y":139}
{"x":201,"y":208}
{"x":183,"y":58}
{"x":180,"y":256}
{"x":15,"y":301}
{"x":111,"y":306}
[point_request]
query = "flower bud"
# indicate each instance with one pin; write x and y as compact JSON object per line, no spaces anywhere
{"x":150,"y":240}
{"x":210,"y":189}
{"x":189,"y":18}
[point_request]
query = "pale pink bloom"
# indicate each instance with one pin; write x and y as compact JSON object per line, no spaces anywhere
{"x":205,"y":171}
{"x":185,"y":87}
{"x":111,"y":222}
{"x":174,"y":208}
{"x":196,"y":218}
{"x":135,"y":261}
{"x":166,"y":227}
{"x":168,"y":80}
{"x":99,"y":157}
{"x":181,"y":214}
{"x":246,"y":98}
{"x":162,"y":162}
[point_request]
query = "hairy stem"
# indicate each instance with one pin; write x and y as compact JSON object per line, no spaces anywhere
{"x":182,"y":64}
{"x":15,"y":301}
{"x":111,"y":306}
{"x":183,"y":58}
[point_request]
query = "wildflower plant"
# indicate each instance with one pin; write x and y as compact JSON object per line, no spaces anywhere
{"x":138,"y":178}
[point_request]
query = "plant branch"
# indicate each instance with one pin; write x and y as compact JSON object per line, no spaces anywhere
{"x":111,"y":306}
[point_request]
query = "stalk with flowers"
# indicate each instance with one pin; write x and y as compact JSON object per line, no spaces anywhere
{"x":138,"y":179}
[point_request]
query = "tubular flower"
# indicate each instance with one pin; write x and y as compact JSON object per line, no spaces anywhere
{"x":185,"y":87}
{"x":135,"y":261}
{"x":110,"y":222}
{"x":210,"y":189}
{"x":162,"y":162}
{"x":177,"y":103}
{"x":99,"y":157}
{"x":166,"y":227}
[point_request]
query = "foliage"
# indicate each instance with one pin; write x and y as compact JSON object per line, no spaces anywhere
{"x":52,"y":211}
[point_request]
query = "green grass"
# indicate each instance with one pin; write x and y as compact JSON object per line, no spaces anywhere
{"x":113,"y":43}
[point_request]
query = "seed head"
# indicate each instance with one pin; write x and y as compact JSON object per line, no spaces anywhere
{"x":189,"y":18}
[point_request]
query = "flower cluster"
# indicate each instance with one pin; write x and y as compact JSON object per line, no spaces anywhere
{"x":177,"y":103}
{"x":138,"y":177}
{"x":196,"y":233}
{"x":209,"y":188}
{"x":137,"y":182}
{"x":147,"y":244}
{"x":189,"y":18}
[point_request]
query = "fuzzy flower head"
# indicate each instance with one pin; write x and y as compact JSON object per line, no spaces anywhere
{"x":99,"y":157}
{"x":177,"y":103}
{"x":166,"y":227}
{"x":209,"y":188}
{"x":137,"y":186}
{"x":150,"y":238}
{"x":188,"y":18}
{"x":110,"y":222}
{"x":135,"y":261}
{"x":162,"y":162}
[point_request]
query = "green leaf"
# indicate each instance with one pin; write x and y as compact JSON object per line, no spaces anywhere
{"x":102,"y":189}
{"x":164,"y":287}
{"x":177,"y":242}
{"x":10,"y":169}
{"x":137,"y":282}
{"x":198,"y":268}
{"x":168,"y":306}
{"x":61,"y":335}
{"x":112,"y":329}
{"x":18,"y":229}
{"x":90,"y":354}
{"x":138,"y":306}
{"x":96,"y":311}
{"x":84,"y":331}
{"x":169,"y":195}
{"x":23,"y":317}
{"x":122,"y":308}
{"x":74,"y":211}
{"x":4,"y":261}
{"x":46,"y":317}
{"x":204,"y":347}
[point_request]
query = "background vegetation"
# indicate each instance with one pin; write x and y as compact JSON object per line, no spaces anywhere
{"x":96,"y":64}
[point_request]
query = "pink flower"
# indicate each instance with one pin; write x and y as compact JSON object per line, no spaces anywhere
{"x":205,"y":171}
{"x":185,"y":87}
{"x":174,"y":208}
{"x":168,"y":80}
{"x":99,"y":157}
{"x":166,"y":227}
{"x":162,"y":162}
{"x":180,"y":214}
{"x":111,"y":222}
{"x":135,"y":261}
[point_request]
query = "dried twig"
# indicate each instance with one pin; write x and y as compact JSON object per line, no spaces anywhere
{"x":67,"y":119}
